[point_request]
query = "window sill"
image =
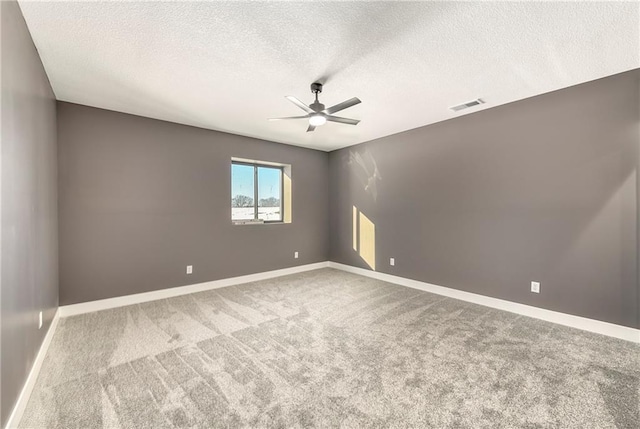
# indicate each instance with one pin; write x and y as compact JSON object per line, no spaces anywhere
{"x":278,"y":222}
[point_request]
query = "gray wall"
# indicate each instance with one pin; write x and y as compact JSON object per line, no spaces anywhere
{"x":543,"y":189}
{"x":29,"y":252}
{"x":141,"y":199}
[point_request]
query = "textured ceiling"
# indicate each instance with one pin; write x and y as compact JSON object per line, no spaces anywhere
{"x":228,"y":65}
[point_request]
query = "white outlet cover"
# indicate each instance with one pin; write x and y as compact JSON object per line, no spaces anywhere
{"x":40,"y":320}
{"x":189,"y":269}
{"x":392,"y":261}
{"x":295,"y":255}
{"x":535,"y":287}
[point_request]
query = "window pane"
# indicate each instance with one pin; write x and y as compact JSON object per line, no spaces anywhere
{"x":269,"y":190}
{"x":242,"y":207}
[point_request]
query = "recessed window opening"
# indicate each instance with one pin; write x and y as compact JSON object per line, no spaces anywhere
{"x":258,"y":193}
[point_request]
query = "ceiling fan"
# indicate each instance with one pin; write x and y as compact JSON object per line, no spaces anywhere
{"x":317,"y":114}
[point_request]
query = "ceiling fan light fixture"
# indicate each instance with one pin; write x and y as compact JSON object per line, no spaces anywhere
{"x":317,"y":120}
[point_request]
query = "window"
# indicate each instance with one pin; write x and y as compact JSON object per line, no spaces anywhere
{"x":256,"y":192}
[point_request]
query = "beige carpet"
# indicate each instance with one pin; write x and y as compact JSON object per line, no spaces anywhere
{"x":329,"y":349}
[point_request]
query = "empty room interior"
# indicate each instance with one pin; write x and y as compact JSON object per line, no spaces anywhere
{"x":354,"y":214}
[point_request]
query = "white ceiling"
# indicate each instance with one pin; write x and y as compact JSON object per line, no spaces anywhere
{"x":228,"y":65}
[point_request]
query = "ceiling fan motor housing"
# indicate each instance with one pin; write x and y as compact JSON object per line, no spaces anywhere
{"x":317,"y":106}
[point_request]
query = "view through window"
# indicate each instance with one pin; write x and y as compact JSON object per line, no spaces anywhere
{"x":256,"y":192}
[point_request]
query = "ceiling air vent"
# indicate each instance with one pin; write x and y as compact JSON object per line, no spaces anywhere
{"x":466,"y":105}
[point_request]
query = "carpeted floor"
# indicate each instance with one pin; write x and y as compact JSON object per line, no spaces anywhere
{"x":329,"y":349}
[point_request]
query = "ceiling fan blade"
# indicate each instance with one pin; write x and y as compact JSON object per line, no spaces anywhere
{"x":311,"y":128}
{"x":343,"y":120}
{"x":341,"y":106}
{"x":288,"y":117}
{"x":299,"y":103}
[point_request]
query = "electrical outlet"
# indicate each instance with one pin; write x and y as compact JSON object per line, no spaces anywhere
{"x":535,"y":287}
{"x":295,"y":255}
{"x":392,"y":261}
{"x":189,"y":269}
{"x":40,"y":320}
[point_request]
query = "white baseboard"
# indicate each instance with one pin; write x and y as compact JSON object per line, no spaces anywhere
{"x":583,"y":323}
{"x":23,"y":399}
{"x":121,"y":301}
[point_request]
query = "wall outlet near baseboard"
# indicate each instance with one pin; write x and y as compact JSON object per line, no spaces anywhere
{"x":295,"y":255}
{"x":189,"y":269}
{"x":392,"y":261}
{"x":535,"y":287}
{"x":40,"y":320}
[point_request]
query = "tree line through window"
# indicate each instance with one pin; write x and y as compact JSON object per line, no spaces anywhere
{"x":256,"y":192}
